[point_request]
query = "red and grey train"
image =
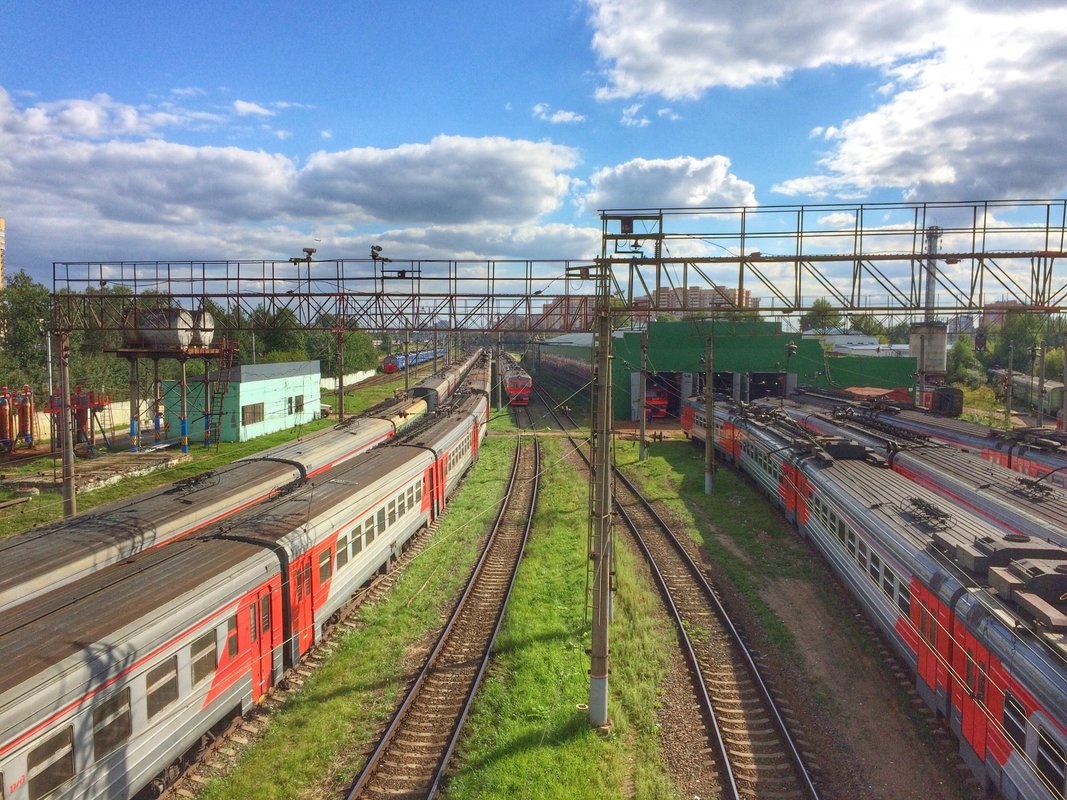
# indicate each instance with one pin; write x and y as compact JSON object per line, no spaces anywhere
{"x":111,"y":678}
{"x":1028,"y":506}
{"x":517,"y":383}
{"x":979,"y":613}
{"x":52,"y":555}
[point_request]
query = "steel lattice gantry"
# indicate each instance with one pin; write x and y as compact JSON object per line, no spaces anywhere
{"x":859,"y":257}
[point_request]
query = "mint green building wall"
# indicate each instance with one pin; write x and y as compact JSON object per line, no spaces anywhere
{"x":274,"y":385}
{"x":741,"y":346}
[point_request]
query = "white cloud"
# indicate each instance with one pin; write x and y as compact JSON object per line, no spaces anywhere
{"x":68,"y":195}
{"x":450,"y":179}
{"x":326,"y":134}
{"x":631,"y":119}
{"x":243,"y":108}
{"x":668,"y":114}
{"x":966,"y":100}
{"x":668,"y":183}
{"x":557,"y":117}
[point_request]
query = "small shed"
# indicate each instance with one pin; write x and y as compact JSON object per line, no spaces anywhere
{"x":252,"y":400}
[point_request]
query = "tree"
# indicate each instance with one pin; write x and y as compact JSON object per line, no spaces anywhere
{"x":963,"y":365}
{"x":868,"y":325}
{"x":24,"y":314}
{"x":821,"y":318}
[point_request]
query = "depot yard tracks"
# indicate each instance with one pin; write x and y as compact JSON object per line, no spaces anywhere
{"x":751,"y":753}
{"x":411,"y":758}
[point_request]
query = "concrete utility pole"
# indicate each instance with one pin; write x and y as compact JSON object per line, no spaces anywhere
{"x":602,"y":501}
{"x":1041,"y":388}
{"x":933,"y":233}
{"x":66,"y":437}
{"x":642,"y":414}
{"x":1011,"y":381}
{"x":499,"y":372}
{"x":709,"y":412}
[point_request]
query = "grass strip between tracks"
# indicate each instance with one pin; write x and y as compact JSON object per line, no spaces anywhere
{"x":527,"y":736}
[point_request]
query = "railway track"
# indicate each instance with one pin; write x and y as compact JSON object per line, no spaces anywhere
{"x":751,"y":752}
{"x":411,"y":758}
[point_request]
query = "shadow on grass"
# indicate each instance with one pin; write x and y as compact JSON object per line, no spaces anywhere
{"x":551,"y":734}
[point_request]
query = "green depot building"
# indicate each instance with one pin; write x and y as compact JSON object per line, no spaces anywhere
{"x":258,"y":399}
{"x":749,"y":357}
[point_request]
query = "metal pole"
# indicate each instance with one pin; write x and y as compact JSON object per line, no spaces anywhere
{"x":435,"y":351}
{"x":66,"y":438}
{"x":184,"y":422}
{"x":601,"y":555}
{"x":157,"y":402}
{"x":643,"y":411}
{"x":709,"y":413}
{"x":407,"y":359}
{"x":1011,"y":381}
{"x":921,"y":399}
{"x":207,"y":407}
{"x":135,"y":404}
{"x":1063,"y":412}
{"x":340,"y":334}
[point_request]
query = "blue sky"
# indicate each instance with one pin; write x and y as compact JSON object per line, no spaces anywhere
{"x":464,"y":129}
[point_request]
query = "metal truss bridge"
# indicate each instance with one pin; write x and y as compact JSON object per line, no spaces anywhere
{"x":904,"y":259}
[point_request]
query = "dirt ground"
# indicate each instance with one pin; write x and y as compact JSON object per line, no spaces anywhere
{"x":857,"y":715}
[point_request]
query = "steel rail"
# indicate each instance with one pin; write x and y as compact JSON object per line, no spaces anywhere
{"x":724,"y":618}
{"x":377,"y":757}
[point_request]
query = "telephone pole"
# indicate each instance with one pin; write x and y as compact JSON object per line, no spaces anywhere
{"x":709,"y":412}
{"x":643,"y":412}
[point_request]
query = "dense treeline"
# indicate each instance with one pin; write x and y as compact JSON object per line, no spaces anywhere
{"x":262,"y":337}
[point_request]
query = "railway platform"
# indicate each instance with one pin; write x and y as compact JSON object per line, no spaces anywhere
{"x":104,"y":470}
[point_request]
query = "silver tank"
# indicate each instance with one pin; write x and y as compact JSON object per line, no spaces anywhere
{"x":157,"y":328}
{"x":203,"y":328}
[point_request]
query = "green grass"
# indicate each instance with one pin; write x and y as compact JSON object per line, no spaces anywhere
{"x":990,"y":411}
{"x":527,"y":737}
{"x":312,"y":745}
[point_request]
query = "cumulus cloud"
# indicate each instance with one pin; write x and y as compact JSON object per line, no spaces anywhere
{"x":450,"y":179}
{"x":559,"y":116}
{"x":667,"y":183}
{"x":69,"y":195}
{"x":968,"y":99}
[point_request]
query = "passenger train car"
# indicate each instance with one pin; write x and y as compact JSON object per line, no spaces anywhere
{"x":111,"y":678}
{"x":401,"y":361}
{"x":51,"y":555}
{"x":1033,"y":453}
{"x":978,"y":613}
{"x":518,"y":384}
{"x":1033,"y":507}
{"x":437,"y":388}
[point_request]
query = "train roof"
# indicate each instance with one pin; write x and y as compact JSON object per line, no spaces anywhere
{"x":961,"y":542}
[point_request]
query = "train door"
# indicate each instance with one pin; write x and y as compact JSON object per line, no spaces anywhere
{"x":259,"y":629}
{"x":474,"y":441}
{"x":302,"y":616}
{"x":973,"y":695}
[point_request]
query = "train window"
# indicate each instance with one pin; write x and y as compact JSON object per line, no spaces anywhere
{"x":111,"y":724}
{"x":162,"y":683}
{"x":904,"y":599}
{"x":1015,"y":721}
{"x":264,"y":613}
{"x":204,"y":655}
{"x":862,"y":556}
{"x":1051,"y":761}
{"x":51,"y":764}
{"x":299,"y":585}
{"x":307,"y":577}
{"x":875,"y":568}
{"x":325,"y":565}
{"x":231,"y":635}
{"x":400,"y":505}
{"x":851,"y":543}
{"x":833,"y":520}
{"x":357,"y":542}
{"x":392,"y":513}
{"x":411,"y":497}
{"x":841,"y":531}
{"x":888,"y":580}
{"x":253,"y":627}
{"x":381,"y":525}
{"x":418,"y":492}
{"x":342,"y":551}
